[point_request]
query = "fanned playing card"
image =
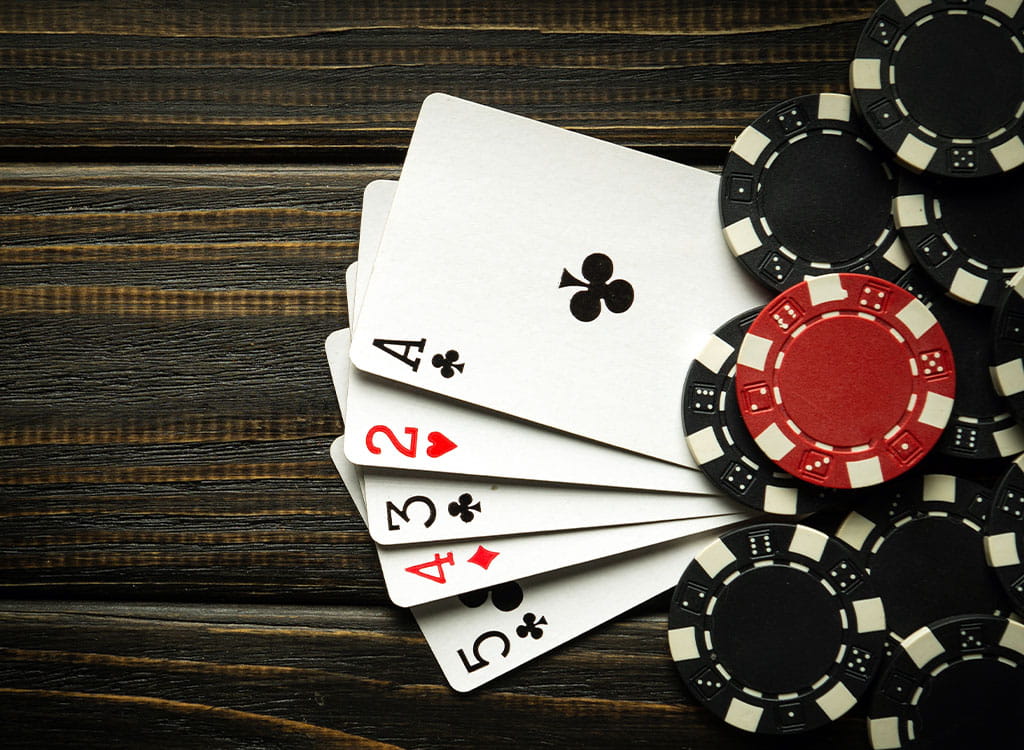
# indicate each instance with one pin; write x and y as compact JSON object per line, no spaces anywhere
{"x":414,"y":508}
{"x":547,"y":275}
{"x":483,"y":634}
{"x":419,"y":573}
{"x":409,"y":429}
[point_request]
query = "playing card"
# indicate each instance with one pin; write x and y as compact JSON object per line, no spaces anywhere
{"x":398,"y":428}
{"x":395,"y":422}
{"x":417,"y":509}
{"x":415,"y":574}
{"x":410,"y":508}
{"x":484,"y":634}
{"x":476,"y":638}
{"x":546,"y":275}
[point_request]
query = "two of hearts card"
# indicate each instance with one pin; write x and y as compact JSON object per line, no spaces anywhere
{"x":522,"y":312}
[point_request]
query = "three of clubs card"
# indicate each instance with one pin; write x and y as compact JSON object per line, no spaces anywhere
{"x":524,"y":306}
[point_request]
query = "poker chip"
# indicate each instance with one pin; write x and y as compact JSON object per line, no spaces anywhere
{"x":941,"y":84}
{"x":719,"y":441}
{"x":1004,"y":533}
{"x":776,"y":628}
{"x":845,"y":380}
{"x":956,"y":683}
{"x":921,"y":541}
{"x":1008,"y":347}
{"x":804,"y":193}
{"x":967,"y":236}
{"x":981,"y":426}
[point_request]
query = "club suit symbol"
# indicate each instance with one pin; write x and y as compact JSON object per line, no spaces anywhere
{"x":585,"y":305}
{"x":464,"y":508}
{"x":531,"y":626}
{"x":448,"y":363}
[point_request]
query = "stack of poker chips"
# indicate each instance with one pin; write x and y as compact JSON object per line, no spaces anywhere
{"x":890,"y":224}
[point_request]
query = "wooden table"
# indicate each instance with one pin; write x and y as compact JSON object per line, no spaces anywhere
{"x":179,"y":197}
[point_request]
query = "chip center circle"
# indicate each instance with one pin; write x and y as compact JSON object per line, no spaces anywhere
{"x":932,"y":567}
{"x":776,"y":629}
{"x":846,"y":381}
{"x":985,"y":695}
{"x":806,"y":193}
{"x":959,"y":75}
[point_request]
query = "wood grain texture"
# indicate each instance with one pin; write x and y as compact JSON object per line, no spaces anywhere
{"x":166,"y":407}
{"x":350,"y":76}
{"x":191,"y":676}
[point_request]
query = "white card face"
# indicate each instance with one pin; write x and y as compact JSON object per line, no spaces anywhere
{"x":550,"y":276}
{"x":395,"y":428}
{"x":415,"y":574}
{"x":413,"y":508}
{"x":476,"y":644}
{"x":485,"y":443}
{"x":478,"y":637}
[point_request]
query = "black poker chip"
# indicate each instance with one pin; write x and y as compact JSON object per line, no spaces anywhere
{"x":720,"y":442}
{"x":1008,"y":347}
{"x":1004,"y":533}
{"x":968,"y":236}
{"x":981,"y":425}
{"x":956,"y":683}
{"x":805,"y":193}
{"x":941,"y":84}
{"x":921,"y":541}
{"x":776,"y":628}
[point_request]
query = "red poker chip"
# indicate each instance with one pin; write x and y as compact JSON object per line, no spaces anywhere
{"x":845,"y":380}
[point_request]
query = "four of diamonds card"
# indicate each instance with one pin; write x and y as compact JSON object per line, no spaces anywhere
{"x":524,"y":307}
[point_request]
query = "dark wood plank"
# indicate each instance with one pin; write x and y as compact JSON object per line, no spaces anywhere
{"x":80,"y":674}
{"x":166,"y":407}
{"x":349,"y":76}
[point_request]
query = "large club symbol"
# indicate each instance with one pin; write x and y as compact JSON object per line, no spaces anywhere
{"x":585,"y":305}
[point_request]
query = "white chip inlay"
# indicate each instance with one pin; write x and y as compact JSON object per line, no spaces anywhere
{"x":939,"y":487}
{"x":1009,"y":155}
{"x":715,"y":353}
{"x":915,"y":153}
{"x":836,"y":701}
{"x":774,"y":442}
{"x":936,"y":410}
{"x":781,"y":500}
{"x":834,"y":107}
{"x":855,"y":529}
{"x":885,"y":733}
{"x":1008,"y":377}
{"x":866,"y":73}
{"x":967,"y":286}
{"x":715,"y":557}
{"x":828,"y":288}
{"x":1001,"y":550}
{"x":922,"y":646}
{"x":917,"y":318}
{"x":909,"y":211}
{"x":682,"y":644}
{"x":704,"y":446}
{"x":754,"y":352}
{"x":808,"y":542}
{"x":743,"y":715}
{"x":750,"y":144}
{"x":741,"y":237}
{"x":865,"y":473}
{"x":870,"y":614}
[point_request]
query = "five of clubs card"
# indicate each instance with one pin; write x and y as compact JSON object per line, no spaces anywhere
{"x":524,"y":306}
